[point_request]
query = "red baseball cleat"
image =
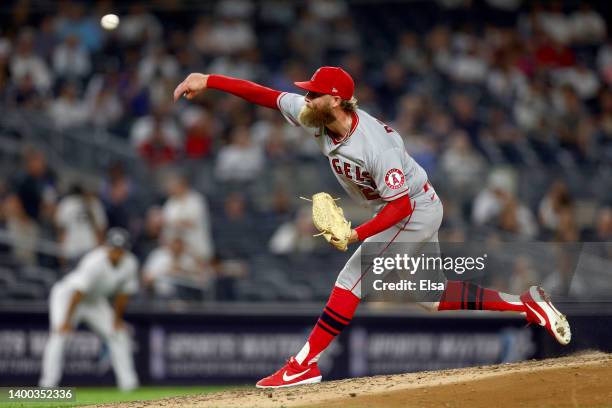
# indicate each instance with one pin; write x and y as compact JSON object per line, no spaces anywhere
{"x":540,"y":311}
{"x":292,"y":374}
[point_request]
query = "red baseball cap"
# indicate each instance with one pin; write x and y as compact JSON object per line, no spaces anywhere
{"x":330,"y":81}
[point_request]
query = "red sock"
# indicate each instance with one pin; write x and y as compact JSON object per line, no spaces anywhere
{"x":460,"y":295}
{"x":336,"y":315}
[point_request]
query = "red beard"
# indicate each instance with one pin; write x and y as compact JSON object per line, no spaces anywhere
{"x":316,"y":118}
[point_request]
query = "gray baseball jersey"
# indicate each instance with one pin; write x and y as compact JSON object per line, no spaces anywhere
{"x":371,"y":164}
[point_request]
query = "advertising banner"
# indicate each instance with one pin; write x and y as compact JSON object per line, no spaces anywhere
{"x":240,"y":349}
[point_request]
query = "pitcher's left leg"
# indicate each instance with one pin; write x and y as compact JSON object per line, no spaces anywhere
{"x":534,"y":303}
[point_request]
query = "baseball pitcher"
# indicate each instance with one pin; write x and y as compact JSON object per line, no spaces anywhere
{"x":82,"y":296}
{"x":370,"y":161}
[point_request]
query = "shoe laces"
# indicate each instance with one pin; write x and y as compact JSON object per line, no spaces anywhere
{"x":292,"y":362}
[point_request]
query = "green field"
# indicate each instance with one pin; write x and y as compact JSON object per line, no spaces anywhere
{"x":106,"y":395}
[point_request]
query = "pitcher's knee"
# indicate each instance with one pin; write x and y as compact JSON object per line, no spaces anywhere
{"x":355,"y":289}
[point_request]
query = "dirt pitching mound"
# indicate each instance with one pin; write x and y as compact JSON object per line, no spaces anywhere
{"x":581,"y":380}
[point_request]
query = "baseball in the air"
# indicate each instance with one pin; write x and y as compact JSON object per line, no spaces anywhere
{"x":109,"y":21}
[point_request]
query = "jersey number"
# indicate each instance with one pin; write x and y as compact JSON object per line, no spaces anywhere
{"x":369,"y":194}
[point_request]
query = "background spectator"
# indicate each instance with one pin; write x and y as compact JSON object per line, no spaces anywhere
{"x":240,"y":160}
{"x":171,"y":267}
{"x":81,"y":223}
{"x":30,"y":205}
{"x":70,"y":60}
{"x":68,"y":110}
{"x":296,"y":235}
{"x":185,"y":213}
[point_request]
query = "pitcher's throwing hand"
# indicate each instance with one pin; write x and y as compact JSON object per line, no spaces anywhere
{"x":193,"y":85}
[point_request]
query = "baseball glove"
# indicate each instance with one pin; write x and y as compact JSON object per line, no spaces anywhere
{"x":329,"y":219}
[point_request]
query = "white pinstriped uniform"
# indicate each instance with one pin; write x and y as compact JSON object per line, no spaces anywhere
{"x":97,"y":279}
{"x":373,"y":167}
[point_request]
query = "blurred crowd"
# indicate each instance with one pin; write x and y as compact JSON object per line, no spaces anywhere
{"x":487,"y":95}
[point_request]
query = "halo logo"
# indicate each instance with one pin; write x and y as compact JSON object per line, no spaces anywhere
{"x":394,"y":178}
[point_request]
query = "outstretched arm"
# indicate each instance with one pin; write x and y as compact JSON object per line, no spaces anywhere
{"x":195,"y":84}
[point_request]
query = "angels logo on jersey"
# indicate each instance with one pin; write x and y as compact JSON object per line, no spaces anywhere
{"x":394,"y":178}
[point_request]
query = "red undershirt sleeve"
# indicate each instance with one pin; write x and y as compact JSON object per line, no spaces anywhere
{"x":247,"y":90}
{"x":391,"y":214}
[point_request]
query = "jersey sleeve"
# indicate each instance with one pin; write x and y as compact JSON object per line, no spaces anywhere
{"x":130,"y":285}
{"x":388,"y":174}
{"x":290,"y":105}
{"x":85,"y":277}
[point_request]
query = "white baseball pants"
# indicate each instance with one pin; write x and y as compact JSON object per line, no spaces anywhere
{"x":98,"y":315}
